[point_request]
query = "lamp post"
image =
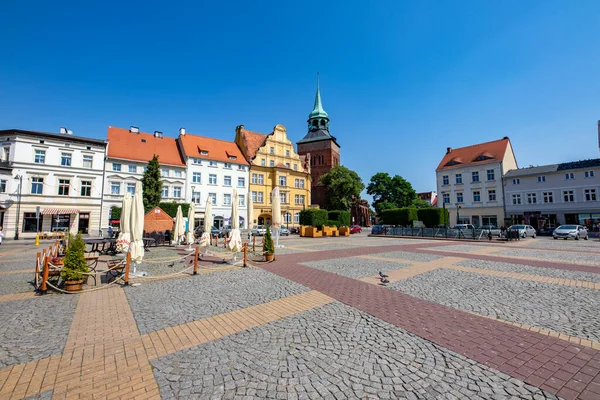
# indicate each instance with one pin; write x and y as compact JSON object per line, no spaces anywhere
{"x":20,"y":178}
{"x":193,"y":228}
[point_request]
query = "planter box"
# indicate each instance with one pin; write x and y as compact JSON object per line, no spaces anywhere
{"x":344,"y":231}
{"x":73,"y":286}
{"x":312,"y":231}
{"x":330,"y":231}
{"x":303,"y":229}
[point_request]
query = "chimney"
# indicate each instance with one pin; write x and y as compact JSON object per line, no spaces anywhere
{"x":63,"y":130}
{"x":181,"y":131}
{"x":448,"y":150}
{"x":134,"y":129}
{"x":505,"y":138}
{"x":158,"y":134}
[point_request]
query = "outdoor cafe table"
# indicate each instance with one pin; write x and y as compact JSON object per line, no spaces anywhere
{"x":96,"y":245}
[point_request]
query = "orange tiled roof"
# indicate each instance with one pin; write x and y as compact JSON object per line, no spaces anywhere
{"x":142,"y":146}
{"x":476,"y":154}
{"x":252,"y":141}
{"x":218,"y":150}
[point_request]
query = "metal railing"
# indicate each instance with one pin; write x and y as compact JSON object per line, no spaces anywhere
{"x":441,"y":232}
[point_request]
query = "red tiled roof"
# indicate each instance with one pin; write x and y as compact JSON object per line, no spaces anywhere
{"x":252,"y":141}
{"x":218,"y":150}
{"x":476,"y":154}
{"x":142,"y":146}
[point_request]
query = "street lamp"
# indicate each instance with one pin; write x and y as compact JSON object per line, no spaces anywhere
{"x":20,"y":178}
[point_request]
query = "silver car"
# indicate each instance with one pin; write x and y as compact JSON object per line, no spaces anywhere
{"x":570,"y":231}
{"x":258,"y":230}
{"x":524,"y":230}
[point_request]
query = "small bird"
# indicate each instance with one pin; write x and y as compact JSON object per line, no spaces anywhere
{"x":171,"y":265}
{"x":384,"y":281}
{"x":382,"y":275}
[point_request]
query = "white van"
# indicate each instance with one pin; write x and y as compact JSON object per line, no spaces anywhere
{"x":464,"y":226}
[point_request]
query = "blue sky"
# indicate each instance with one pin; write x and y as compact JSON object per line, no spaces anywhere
{"x":401,"y":80}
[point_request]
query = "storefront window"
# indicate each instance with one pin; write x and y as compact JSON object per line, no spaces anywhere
{"x":30,"y":222}
{"x":60,"y":222}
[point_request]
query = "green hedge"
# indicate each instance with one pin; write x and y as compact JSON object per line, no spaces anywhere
{"x":171,"y":208}
{"x":313,"y":217}
{"x":399,"y":216}
{"x":432,"y":217}
{"x":331,"y":222}
{"x":341,"y":217}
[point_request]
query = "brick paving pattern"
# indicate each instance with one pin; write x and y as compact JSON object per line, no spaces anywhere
{"x":238,"y":333}
{"x":570,"y":310}
{"x":191,"y":298}
{"x":333,"y":351}
{"x":32,"y":329}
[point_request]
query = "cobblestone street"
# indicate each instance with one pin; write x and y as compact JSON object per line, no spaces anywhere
{"x":456,"y":320}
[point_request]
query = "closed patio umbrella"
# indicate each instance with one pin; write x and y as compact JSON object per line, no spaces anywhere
{"x":179,"y":229}
{"x":235,"y":239}
{"x":250,"y":214}
{"x":205,"y":238}
{"x":125,"y":226}
{"x":190,"y":232}
{"x":136,"y":247}
{"x":276,"y":214}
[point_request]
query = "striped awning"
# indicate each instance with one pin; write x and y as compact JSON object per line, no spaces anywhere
{"x":54,"y":211}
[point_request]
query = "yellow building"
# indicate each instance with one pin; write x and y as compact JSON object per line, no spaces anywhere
{"x":274,"y":162}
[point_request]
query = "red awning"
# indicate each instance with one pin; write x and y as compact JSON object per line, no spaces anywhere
{"x":54,"y":211}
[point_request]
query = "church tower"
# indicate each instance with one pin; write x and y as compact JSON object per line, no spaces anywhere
{"x":322,"y":148}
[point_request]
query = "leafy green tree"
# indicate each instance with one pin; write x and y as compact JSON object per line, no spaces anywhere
{"x":268,"y":247}
{"x":343,"y":186}
{"x":420,"y":203}
{"x":387,"y":190}
{"x":74,"y":265}
{"x":152,"y":185}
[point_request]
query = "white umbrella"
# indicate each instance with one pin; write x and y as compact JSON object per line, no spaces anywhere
{"x":137,"y":225}
{"x":235,"y":239}
{"x":179,"y":229}
{"x":276,"y":213}
{"x":205,"y":238}
{"x":125,"y":225}
{"x":190,"y":232}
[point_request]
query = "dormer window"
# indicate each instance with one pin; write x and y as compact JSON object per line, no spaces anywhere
{"x":204,"y":152}
{"x":232,"y":157}
{"x":451,"y":163}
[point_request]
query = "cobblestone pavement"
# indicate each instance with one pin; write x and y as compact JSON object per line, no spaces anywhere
{"x":405,"y":255}
{"x":159,"y":304}
{"x":463,"y":248}
{"x":569,"y":310}
{"x":34,"y":328}
{"x":525,"y":269}
{"x":18,"y":265}
{"x":591,"y":245}
{"x":354,"y":267}
{"x":15,"y":283}
{"x":334,"y":352}
{"x":552,"y":255}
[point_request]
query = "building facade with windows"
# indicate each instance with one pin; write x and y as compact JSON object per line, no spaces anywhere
{"x":50,"y":182}
{"x":214,"y":169}
{"x":274,"y":162}
{"x":128,"y":154}
{"x":469,"y":182}
{"x":549,"y":195}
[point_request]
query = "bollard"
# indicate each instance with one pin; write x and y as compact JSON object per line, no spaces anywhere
{"x":37,"y":240}
{"x":45,"y":275}
{"x":196,"y":262}
{"x":253,"y":242}
{"x":245,"y":255}
{"x":127,"y":268}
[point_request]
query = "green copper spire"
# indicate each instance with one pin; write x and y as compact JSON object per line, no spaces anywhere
{"x":318,"y":111}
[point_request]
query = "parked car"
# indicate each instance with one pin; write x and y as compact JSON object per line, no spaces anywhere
{"x":570,"y":231}
{"x":524,"y":230}
{"x":464,"y":226}
{"x":378,"y":230}
{"x":258,"y":230}
{"x":226,"y":229}
{"x":491,"y":228}
{"x":284,"y":231}
{"x":213,"y":231}
{"x":355,"y":229}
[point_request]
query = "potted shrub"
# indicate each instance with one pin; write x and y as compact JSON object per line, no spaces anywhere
{"x":268,"y":247}
{"x":74,"y":265}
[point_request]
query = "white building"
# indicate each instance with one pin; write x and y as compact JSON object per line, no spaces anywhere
{"x":215,"y":167}
{"x":60,"y":175}
{"x":550,"y":195}
{"x":469,"y":182}
{"x":128,"y":154}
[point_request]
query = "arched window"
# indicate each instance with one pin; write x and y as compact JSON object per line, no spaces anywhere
{"x":323,"y":123}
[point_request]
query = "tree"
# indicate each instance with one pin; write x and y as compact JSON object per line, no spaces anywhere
{"x":394,"y":191}
{"x":152,"y":185}
{"x":420,"y":203}
{"x":343,"y":186}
